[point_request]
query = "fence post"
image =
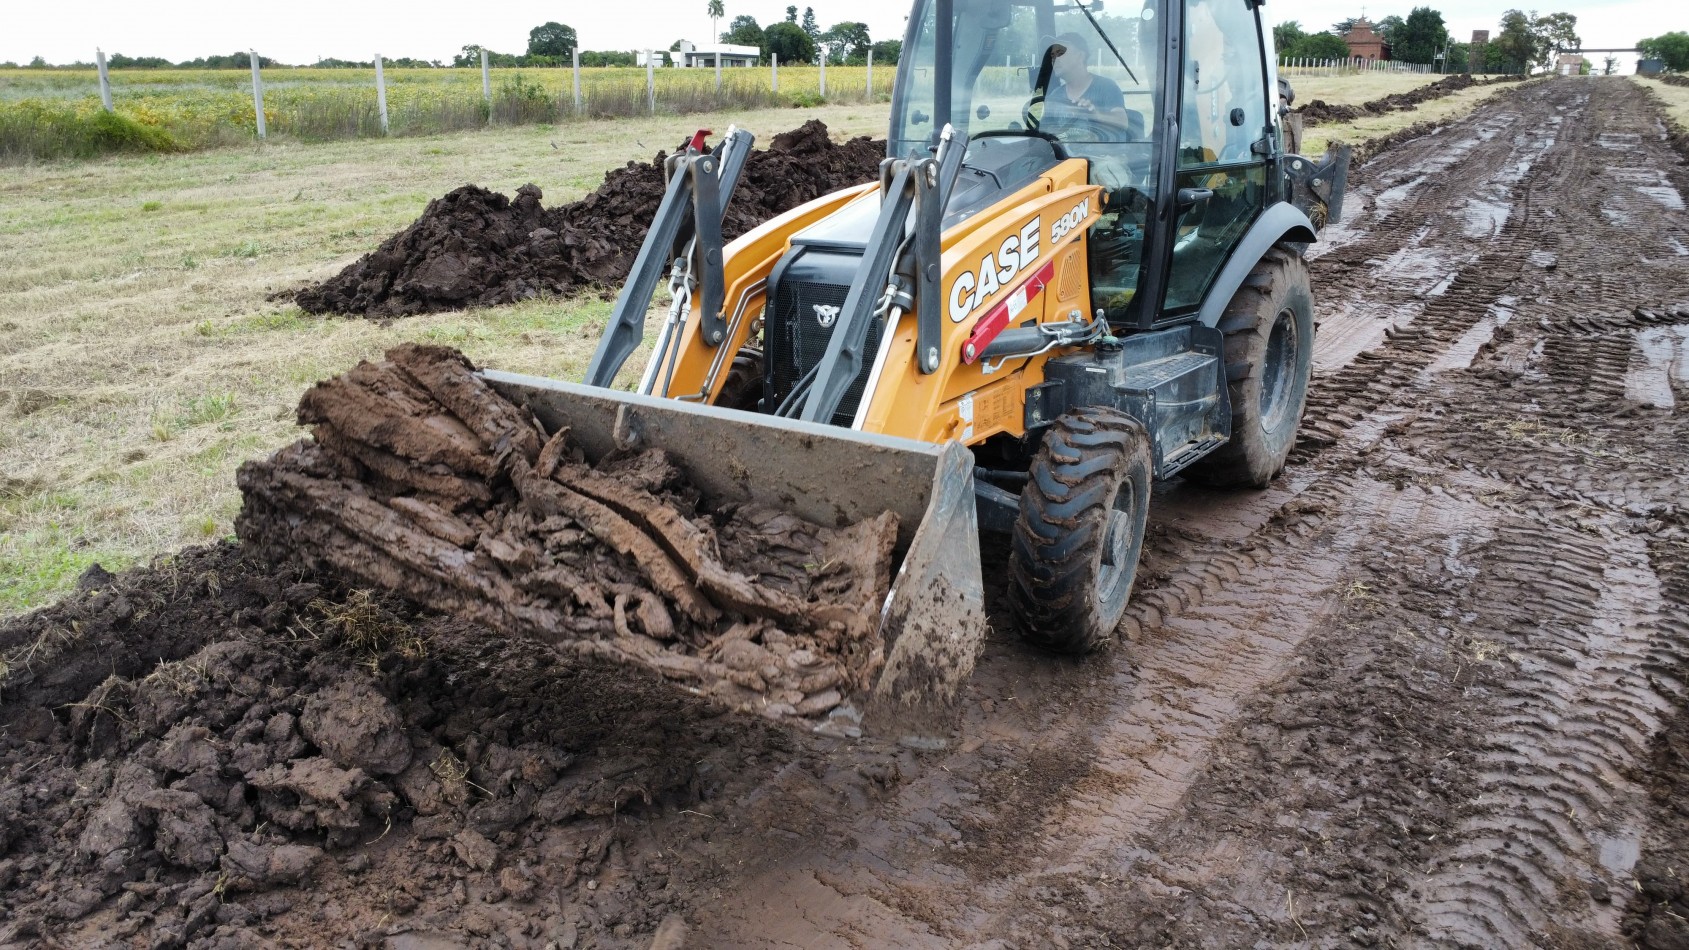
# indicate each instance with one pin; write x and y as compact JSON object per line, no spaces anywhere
{"x":774,"y":71}
{"x":105,"y":78}
{"x":650,"y":82}
{"x":575,"y":55}
{"x":823,"y":74}
{"x":718,"y":72}
{"x":486,"y":79}
{"x":870,"y":75}
{"x":381,"y":92}
{"x":257,"y":91}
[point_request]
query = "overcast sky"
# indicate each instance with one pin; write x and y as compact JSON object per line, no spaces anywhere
{"x":302,"y":31}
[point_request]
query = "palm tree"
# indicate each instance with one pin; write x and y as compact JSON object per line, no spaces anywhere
{"x":716,"y":13}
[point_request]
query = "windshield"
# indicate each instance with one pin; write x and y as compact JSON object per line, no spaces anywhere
{"x":1079,"y":75}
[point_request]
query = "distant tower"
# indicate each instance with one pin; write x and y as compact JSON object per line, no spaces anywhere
{"x":1475,"y":53}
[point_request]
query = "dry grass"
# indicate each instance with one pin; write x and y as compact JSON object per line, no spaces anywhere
{"x":1362,"y":87}
{"x":1674,"y":98}
{"x":140,"y":362}
{"x":1445,"y":109}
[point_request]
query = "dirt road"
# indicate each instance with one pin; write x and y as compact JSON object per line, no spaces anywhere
{"x":1428,"y":690}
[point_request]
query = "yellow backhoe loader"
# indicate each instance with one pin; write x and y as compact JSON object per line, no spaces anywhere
{"x":1080,"y":271}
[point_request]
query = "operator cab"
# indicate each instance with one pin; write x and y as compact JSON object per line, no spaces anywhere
{"x":1034,"y":82}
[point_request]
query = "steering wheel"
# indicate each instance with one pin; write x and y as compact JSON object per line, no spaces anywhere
{"x":1095,"y":130}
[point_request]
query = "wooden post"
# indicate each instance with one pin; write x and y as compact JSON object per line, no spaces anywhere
{"x":575,"y":54}
{"x":105,"y":78}
{"x":651,"y":81}
{"x":257,"y":91}
{"x":381,"y":92}
{"x":486,"y":79}
{"x":774,"y":70}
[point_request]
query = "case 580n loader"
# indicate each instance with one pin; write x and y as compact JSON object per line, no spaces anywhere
{"x":1079,"y":271}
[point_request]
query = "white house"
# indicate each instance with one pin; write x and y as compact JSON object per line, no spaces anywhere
{"x":705,"y":56}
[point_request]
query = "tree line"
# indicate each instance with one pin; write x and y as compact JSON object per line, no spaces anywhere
{"x":1522,"y":42}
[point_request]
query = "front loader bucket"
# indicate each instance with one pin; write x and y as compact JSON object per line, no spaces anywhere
{"x":932,"y":621}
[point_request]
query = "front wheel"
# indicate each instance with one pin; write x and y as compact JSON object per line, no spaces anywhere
{"x":1074,"y":552}
{"x":1269,"y":350}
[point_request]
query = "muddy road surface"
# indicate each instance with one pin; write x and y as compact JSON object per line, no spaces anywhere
{"x":1427,"y":690}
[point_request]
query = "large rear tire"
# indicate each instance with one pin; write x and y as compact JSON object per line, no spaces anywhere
{"x":1074,"y":552}
{"x":1269,"y":349}
{"x":743,"y":387}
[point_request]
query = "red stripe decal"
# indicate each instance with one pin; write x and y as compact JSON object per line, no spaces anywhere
{"x":998,"y":319}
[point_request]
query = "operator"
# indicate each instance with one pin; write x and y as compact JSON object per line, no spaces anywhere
{"x":1078,"y":96}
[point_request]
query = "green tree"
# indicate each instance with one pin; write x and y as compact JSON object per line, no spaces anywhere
{"x":1609,"y":65}
{"x":847,"y":42}
{"x":791,"y":14}
{"x":1420,"y":37}
{"x":553,"y":40}
{"x":810,"y":29}
{"x":1343,"y":26}
{"x":1286,"y":36}
{"x":716,"y":13}
{"x":888,"y":52}
{"x":744,"y":31}
{"x":1515,"y":45}
{"x":1387,"y":28}
{"x":789,"y":42}
{"x":1671,"y":48}
{"x":1320,"y":46}
{"x":1556,"y":32}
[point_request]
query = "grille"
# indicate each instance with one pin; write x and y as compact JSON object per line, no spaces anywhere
{"x":797,"y":341}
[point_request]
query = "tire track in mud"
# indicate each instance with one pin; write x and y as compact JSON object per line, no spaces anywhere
{"x":1551,"y":835}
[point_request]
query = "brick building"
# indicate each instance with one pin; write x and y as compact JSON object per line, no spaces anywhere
{"x":1365,"y":43}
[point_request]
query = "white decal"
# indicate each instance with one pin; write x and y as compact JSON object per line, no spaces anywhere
{"x":996,"y":270}
{"x":825,"y":314}
{"x":1065,"y":224}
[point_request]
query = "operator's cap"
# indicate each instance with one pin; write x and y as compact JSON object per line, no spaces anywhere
{"x":1069,"y":41}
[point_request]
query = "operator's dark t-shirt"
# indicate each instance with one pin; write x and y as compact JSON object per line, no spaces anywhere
{"x":1103,"y":94}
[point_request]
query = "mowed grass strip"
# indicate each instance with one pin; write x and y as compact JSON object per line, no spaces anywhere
{"x":141,"y":361}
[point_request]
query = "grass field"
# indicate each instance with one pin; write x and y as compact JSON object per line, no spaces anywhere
{"x":1674,"y":98}
{"x":57,"y":113}
{"x":141,"y":362}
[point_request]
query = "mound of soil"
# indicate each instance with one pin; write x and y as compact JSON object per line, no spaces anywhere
{"x":423,"y":480}
{"x":210,"y":752}
{"x":1319,"y":111}
{"x":477,"y":248}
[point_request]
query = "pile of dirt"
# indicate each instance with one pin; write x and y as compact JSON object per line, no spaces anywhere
{"x":477,"y":248}
{"x":1319,"y":111}
{"x":423,"y":480}
{"x":208,"y":751}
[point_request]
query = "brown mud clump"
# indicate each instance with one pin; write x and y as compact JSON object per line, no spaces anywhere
{"x":476,"y":248}
{"x":215,"y":753}
{"x":423,"y":480}
{"x":1319,"y":111}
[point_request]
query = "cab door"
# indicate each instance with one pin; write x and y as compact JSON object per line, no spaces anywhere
{"x":1224,"y":145}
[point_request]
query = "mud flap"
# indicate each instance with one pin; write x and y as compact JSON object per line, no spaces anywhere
{"x":932,"y":622}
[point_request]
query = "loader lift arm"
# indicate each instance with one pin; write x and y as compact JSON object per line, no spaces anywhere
{"x":900,"y":269}
{"x":685,"y":238}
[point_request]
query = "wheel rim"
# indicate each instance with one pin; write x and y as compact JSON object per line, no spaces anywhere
{"x":1117,"y":562}
{"x":1278,"y":370}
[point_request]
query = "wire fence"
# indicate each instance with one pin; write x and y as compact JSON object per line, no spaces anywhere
{"x":47,"y":114}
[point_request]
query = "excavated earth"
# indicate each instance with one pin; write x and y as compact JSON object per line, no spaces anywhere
{"x":1428,"y":689}
{"x":477,"y":248}
{"x":1318,"y":111}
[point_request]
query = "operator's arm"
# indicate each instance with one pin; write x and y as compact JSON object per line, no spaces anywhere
{"x":1104,"y":104}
